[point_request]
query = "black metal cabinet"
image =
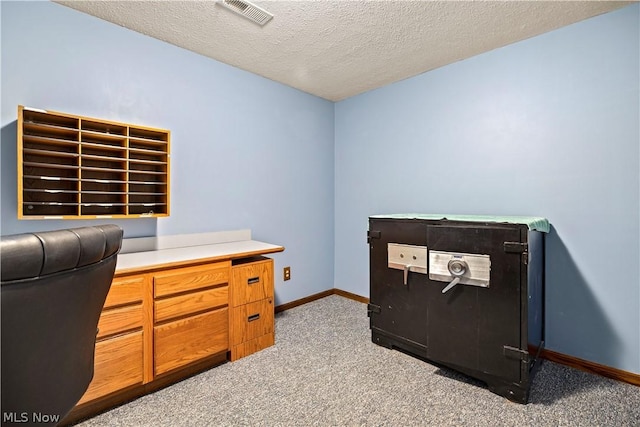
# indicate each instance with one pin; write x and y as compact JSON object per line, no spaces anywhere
{"x":488,"y":322}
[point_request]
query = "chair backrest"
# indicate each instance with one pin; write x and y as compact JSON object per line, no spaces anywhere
{"x":53,"y":287}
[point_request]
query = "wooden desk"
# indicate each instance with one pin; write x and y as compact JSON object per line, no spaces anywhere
{"x":175,"y":311}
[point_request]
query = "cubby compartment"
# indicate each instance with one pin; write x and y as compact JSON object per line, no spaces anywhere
{"x":48,"y":210}
{"x":104,"y":127}
{"x":43,"y":119}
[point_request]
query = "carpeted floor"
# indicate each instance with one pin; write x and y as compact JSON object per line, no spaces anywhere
{"x":325,"y":371}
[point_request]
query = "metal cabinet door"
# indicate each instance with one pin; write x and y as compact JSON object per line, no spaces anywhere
{"x":469,"y":326}
{"x":402,"y":308}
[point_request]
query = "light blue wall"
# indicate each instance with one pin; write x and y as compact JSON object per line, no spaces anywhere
{"x":246,"y":152}
{"x":548,"y":127}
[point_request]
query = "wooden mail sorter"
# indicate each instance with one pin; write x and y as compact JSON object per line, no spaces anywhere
{"x":72,"y":167}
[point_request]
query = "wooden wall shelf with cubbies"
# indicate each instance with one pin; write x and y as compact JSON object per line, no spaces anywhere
{"x":73,"y":167}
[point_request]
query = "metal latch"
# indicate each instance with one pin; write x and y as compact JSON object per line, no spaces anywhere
{"x":407,"y":258}
{"x":372,"y":308}
{"x":515,"y":353}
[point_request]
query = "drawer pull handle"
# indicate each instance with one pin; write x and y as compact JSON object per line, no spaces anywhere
{"x":253,"y":317}
{"x":253,"y":280}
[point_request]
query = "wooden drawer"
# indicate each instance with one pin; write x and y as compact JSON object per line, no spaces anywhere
{"x":252,"y":346}
{"x":125,"y":290}
{"x":168,"y":308}
{"x":251,"y":282}
{"x":187,"y":340}
{"x":252,"y":320}
{"x":190,"y":278}
{"x":117,"y":320}
{"x":118,"y":364}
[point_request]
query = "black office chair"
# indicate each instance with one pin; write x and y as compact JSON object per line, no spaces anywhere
{"x":53,"y":288}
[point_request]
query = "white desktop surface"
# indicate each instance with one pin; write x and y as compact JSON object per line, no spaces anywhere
{"x":175,"y":256}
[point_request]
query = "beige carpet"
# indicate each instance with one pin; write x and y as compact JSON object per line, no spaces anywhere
{"x":325,"y":371}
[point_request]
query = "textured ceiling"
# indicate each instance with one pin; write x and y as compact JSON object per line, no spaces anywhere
{"x":338,"y":49}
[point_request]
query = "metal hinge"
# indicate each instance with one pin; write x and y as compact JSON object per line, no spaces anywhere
{"x":518,"y":248}
{"x":372,"y":308}
{"x":515,"y":353}
{"x":373,"y":234}
{"x":515,"y":247}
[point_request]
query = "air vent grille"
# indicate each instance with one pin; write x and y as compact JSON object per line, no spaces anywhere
{"x":248,"y":10}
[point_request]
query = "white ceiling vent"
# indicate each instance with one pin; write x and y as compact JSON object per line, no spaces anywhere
{"x":248,"y":10}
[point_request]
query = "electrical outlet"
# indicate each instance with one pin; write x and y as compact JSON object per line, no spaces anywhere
{"x":287,"y":273}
